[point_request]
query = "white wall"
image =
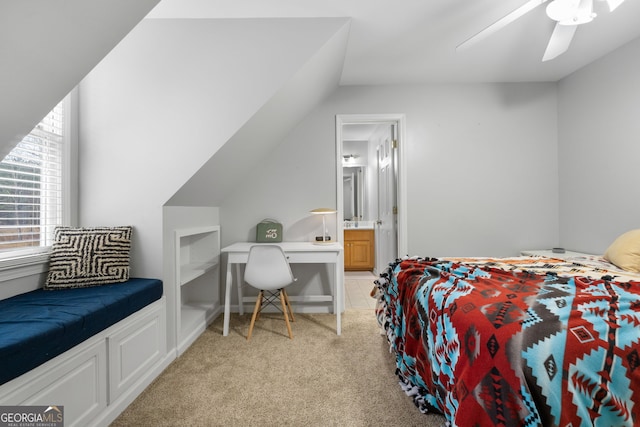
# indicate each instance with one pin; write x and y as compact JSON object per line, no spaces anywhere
{"x":482,"y":170}
{"x":164,"y":101}
{"x":599,"y":111}
{"x":481,"y":165}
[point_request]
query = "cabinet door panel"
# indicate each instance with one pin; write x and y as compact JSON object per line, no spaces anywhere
{"x":360,"y":253}
{"x":359,"y":249}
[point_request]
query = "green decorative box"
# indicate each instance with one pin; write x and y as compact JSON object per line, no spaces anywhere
{"x":269,"y":231}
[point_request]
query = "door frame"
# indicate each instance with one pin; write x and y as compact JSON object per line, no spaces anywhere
{"x":400,"y":121}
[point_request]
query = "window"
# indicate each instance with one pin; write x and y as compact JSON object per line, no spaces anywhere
{"x":32,"y":186}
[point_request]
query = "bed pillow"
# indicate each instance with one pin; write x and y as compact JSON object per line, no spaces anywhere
{"x":624,"y":252}
{"x":82,"y":257}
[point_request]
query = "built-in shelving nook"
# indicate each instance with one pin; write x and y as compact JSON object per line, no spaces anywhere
{"x":197,"y":279}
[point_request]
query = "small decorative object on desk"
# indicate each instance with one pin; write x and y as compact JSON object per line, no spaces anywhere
{"x":557,"y":250}
{"x":269,"y":231}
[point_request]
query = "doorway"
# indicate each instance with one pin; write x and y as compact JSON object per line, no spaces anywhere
{"x":380,"y":202}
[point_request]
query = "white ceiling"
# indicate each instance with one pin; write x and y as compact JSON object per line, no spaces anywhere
{"x":414,"y":41}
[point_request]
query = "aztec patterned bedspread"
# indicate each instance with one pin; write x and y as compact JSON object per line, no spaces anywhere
{"x":524,"y":341}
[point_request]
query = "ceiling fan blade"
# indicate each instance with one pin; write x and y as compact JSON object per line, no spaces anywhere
{"x":501,"y":23}
{"x":560,"y":41}
{"x":613,"y":4}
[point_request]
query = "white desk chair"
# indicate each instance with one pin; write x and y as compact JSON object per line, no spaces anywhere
{"x":268,"y":270}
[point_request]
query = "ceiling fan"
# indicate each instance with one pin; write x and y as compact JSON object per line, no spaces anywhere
{"x":568,"y":14}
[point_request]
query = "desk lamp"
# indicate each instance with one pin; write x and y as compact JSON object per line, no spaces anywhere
{"x":324,"y":212}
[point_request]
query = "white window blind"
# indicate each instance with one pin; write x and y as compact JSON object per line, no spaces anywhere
{"x":31,"y":186}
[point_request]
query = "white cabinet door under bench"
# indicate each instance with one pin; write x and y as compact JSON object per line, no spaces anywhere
{"x":97,"y":379}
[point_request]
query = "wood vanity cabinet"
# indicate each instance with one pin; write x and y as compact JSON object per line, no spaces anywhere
{"x":359,"y":249}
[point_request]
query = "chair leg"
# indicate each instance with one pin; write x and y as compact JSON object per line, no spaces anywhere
{"x":256,"y":310}
{"x":261,"y":299}
{"x":286,"y":299}
{"x":284,"y":310}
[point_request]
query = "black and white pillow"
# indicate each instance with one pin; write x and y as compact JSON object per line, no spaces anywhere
{"x":82,"y":257}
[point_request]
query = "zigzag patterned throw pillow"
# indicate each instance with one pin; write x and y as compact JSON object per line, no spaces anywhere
{"x":82,"y":257}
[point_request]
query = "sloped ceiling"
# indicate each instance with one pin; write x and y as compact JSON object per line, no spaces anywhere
{"x":47,"y":47}
{"x":263,"y":131}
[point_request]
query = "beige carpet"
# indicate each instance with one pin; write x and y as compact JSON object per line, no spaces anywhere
{"x":316,"y":379}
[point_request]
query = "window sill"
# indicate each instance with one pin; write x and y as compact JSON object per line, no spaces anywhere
{"x":23,"y":266}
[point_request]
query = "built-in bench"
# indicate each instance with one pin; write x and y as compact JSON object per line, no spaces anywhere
{"x":91,"y":350}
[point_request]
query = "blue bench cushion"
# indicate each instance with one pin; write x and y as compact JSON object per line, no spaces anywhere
{"x":39,"y":325}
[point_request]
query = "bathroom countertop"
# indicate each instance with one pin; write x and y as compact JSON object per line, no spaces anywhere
{"x":358,"y":225}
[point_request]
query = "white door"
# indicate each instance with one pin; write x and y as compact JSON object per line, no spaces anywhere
{"x":387,"y":223}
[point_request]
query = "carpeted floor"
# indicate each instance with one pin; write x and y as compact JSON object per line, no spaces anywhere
{"x":316,"y":379}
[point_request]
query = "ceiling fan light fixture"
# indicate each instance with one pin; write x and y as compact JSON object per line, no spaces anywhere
{"x":568,"y":14}
{"x":571,"y":12}
{"x":562,"y":10}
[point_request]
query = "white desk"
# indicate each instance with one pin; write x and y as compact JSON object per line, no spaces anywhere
{"x":297,"y":252}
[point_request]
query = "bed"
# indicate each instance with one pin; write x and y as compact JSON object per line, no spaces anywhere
{"x":522,"y":341}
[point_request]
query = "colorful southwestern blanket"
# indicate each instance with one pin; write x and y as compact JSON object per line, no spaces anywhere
{"x":516,"y":341}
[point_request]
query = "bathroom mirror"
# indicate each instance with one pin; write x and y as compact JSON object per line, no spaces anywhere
{"x":354,"y":193}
